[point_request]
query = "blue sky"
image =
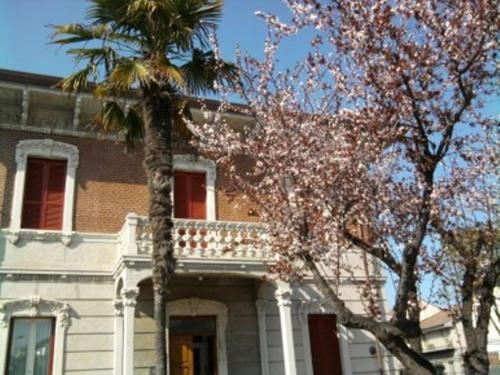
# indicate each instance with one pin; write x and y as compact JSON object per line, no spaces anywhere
{"x":24,"y":32}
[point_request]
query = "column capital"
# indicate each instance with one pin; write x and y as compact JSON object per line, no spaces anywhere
{"x":284,"y":295}
{"x":129,"y":296}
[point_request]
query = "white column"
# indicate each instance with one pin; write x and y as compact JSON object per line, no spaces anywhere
{"x":264,"y":355}
{"x":284,"y":298}
{"x":129,"y":297}
{"x":76,"y":112}
{"x":118,"y":339}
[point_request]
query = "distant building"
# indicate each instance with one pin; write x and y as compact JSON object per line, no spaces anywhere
{"x":443,"y":340}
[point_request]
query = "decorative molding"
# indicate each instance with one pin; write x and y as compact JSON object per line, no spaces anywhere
{"x":192,"y":163}
{"x":204,"y":307}
{"x":129,"y":296}
{"x":47,"y":148}
{"x":39,"y":235}
{"x":12,"y":124}
{"x":284,"y":297}
{"x":36,"y":307}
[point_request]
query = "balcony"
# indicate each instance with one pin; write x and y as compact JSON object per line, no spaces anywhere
{"x":199,"y":239}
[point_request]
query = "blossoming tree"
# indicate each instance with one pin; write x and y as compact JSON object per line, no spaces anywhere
{"x":376,"y":141}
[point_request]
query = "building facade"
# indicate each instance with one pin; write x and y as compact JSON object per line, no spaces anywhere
{"x":75,"y":261}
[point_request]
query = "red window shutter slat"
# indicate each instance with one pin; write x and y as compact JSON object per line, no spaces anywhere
{"x":181,"y":195}
{"x":33,"y":194}
{"x":43,"y":203}
{"x":325,"y":347}
{"x":54,"y":206}
{"x":198,"y":196}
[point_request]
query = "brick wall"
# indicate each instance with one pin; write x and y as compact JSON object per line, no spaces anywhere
{"x":109,"y":184}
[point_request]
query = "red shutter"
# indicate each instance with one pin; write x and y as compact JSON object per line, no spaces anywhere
{"x":43,"y":204}
{"x":198,"y":196}
{"x":54,"y":199}
{"x":33,"y":194}
{"x":325,"y":348}
{"x":190,"y":195}
{"x":181,"y":195}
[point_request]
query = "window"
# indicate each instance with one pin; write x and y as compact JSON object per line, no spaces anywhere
{"x":43,"y":203}
{"x":190,"y":195}
{"x":325,"y":346}
{"x":31,"y":347}
{"x":47,"y":169}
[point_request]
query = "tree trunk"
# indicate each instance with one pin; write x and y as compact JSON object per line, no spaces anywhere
{"x":158,"y":162}
{"x":476,"y":359}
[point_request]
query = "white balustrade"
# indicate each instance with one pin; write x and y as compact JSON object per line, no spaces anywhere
{"x":198,"y":238}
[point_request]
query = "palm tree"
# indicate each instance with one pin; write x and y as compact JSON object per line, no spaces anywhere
{"x":158,"y":48}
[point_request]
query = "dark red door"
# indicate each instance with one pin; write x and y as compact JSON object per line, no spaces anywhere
{"x":325,"y":347}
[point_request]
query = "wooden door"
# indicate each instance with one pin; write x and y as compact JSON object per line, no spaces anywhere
{"x":325,"y":347}
{"x":181,"y":355}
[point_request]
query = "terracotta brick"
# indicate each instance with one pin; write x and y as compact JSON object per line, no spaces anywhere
{"x":109,"y":184}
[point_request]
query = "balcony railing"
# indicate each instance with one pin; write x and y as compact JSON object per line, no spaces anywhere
{"x":198,"y":239}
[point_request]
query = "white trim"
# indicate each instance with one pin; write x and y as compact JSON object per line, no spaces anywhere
{"x":46,"y":148}
{"x":192,"y":163}
{"x":36,"y":307}
{"x":200,"y":307}
{"x":118,"y":338}
{"x":128,"y":300}
{"x":261,"y":304}
{"x":318,"y":307}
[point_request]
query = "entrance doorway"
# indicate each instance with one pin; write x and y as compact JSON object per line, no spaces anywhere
{"x":192,"y":345}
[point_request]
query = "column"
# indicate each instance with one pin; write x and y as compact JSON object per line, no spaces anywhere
{"x":284,"y":298}
{"x":118,"y":339}
{"x":129,"y":297}
{"x":264,"y":355}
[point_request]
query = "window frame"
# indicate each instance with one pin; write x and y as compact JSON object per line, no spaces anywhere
{"x":35,"y":307}
{"x":196,"y":164}
{"x":46,"y":149}
{"x":31,"y":343}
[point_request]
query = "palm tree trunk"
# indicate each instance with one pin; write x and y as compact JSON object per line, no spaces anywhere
{"x":158,"y":162}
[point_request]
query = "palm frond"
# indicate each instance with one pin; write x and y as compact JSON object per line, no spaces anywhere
{"x":111,"y":118}
{"x":172,"y":74}
{"x":204,"y":70}
{"x":77,"y":81}
{"x":132,"y":131}
{"x":128,"y":72}
{"x":77,"y":33}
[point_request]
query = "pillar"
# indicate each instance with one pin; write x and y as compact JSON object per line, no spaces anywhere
{"x":284,"y":299}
